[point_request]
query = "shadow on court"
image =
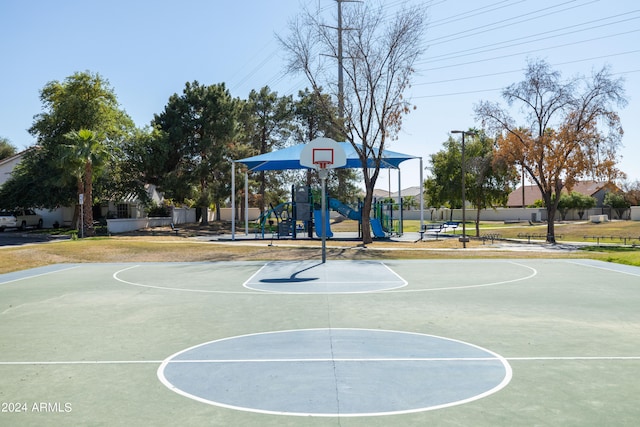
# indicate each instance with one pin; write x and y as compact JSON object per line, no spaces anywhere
{"x":293,"y":278}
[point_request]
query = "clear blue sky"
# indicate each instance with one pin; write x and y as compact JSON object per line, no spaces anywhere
{"x":149,"y":49}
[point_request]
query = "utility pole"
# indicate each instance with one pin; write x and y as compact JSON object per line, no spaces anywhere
{"x":340,"y":72}
{"x":340,"y":56}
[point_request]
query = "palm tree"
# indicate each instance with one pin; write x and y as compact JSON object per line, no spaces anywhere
{"x":86,"y":152}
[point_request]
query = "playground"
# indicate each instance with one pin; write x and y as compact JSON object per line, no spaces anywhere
{"x":345,"y":343}
{"x":306,"y":211}
{"x":303,"y":217}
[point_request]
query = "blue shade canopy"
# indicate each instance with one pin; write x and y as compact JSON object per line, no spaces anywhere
{"x":289,"y":158}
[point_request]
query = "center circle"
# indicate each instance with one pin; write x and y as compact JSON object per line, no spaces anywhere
{"x":335,"y":372}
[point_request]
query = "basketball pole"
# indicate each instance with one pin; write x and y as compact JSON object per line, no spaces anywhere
{"x":323,"y":173}
{"x":318,"y":154}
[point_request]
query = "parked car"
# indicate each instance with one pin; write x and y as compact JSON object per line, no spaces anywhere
{"x":20,"y":218}
{"x":7,"y":220}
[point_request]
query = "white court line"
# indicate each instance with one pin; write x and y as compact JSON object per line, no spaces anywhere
{"x":560,"y":358}
{"x":248,"y":281}
{"x":168,"y":288}
{"x":254,"y":275}
{"x":38,"y":275}
{"x":416,"y":359}
{"x":585,"y":264}
{"x":332,"y":335}
{"x":247,"y":284}
{"x":404,"y":282}
{"x":482,"y":285}
{"x":350,"y":359}
{"x":84,"y":362}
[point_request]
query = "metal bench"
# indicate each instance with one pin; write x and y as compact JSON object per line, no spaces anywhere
{"x":436,"y":228}
{"x":452,"y":224}
{"x":490,"y":236}
{"x":174,"y":229}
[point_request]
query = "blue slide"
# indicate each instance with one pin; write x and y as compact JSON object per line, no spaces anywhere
{"x":317,"y":223}
{"x":344,"y":210}
{"x":376,"y":227}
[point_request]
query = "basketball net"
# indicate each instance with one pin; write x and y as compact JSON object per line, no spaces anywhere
{"x":321,"y":167}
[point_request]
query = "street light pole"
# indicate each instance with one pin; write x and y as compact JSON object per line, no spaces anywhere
{"x":464,"y":239}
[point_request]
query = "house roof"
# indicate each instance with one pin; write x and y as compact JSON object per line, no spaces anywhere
{"x":8,"y":164}
{"x":532,"y":192}
{"x":289,"y":158}
{"x":409,"y":191}
{"x":15,"y":157}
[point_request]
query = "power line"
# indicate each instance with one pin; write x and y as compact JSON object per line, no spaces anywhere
{"x":521,"y":69}
{"x":471,"y":13}
{"x":456,"y":93}
{"x":470,"y":33}
{"x":476,"y":50}
{"x":530,"y":51}
{"x":280,"y":76}
{"x":439,"y":95}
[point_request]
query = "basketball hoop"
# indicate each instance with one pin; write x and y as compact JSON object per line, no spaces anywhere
{"x":322,"y":157}
{"x":322,"y":165}
{"x":323,"y":154}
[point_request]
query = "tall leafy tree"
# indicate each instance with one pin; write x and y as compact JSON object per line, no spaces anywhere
{"x":313,"y":120}
{"x":81,"y":158}
{"x":580,"y":202}
{"x":631,"y":192}
{"x":83,"y":100}
{"x":134,"y":166}
{"x":267,"y":125}
{"x":6,"y":148}
{"x":617,"y":202}
{"x":569,"y":129}
{"x":377,"y":56}
{"x":443,"y":187}
{"x":198,"y":128}
{"x":488,"y":181}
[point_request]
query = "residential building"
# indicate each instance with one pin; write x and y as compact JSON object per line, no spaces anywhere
{"x":532,"y":193}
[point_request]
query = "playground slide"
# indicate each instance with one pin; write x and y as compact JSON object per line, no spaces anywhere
{"x":317,"y":224}
{"x":344,"y":210}
{"x":277,"y":211}
{"x":376,"y":227}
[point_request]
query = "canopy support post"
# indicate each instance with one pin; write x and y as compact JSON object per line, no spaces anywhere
{"x":246,"y":203}
{"x":233,"y":200}
{"x":421,"y":197}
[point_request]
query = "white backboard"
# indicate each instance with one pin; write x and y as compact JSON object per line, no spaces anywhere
{"x":323,"y":151}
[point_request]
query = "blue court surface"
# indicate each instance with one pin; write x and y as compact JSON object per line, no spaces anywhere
{"x":316,"y":277}
{"x":335,"y":372}
{"x":346,"y":343}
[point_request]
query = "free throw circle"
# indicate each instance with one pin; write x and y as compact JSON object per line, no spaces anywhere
{"x":335,"y":372}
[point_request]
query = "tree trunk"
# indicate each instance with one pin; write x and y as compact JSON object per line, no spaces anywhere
{"x":261,"y":191}
{"x":88,"y":200}
{"x":366,"y":223}
{"x":205,"y":215}
{"x":551,"y":220}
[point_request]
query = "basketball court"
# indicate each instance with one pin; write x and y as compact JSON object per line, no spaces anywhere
{"x":341,"y":343}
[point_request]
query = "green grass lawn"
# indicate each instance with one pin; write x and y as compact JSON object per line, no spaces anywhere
{"x":151,"y":247}
{"x":570,"y":231}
